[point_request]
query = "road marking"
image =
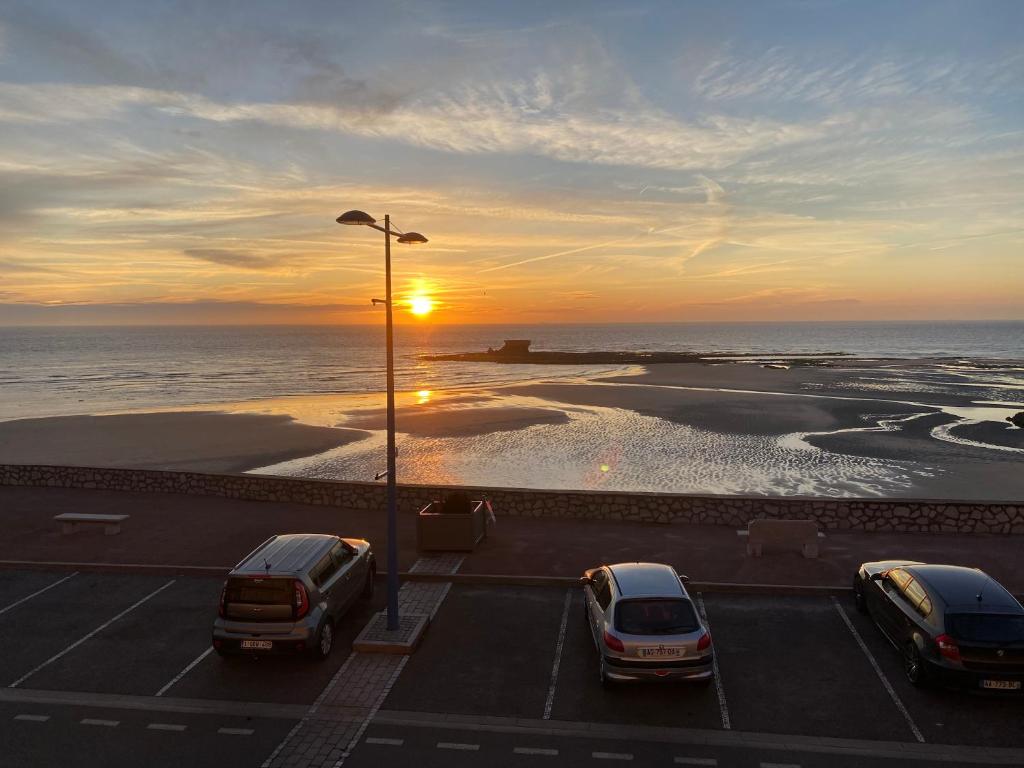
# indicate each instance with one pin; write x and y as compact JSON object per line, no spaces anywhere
{"x":458,"y":745}
{"x":878,"y":671}
{"x":535,"y":751}
{"x":723,"y":705}
{"x":611,"y":755}
{"x":383,"y":694}
{"x":236,"y":731}
{"x":550,"y":701}
{"x":165,"y":727}
{"x":385,"y":742}
{"x":695,"y":760}
{"x":32,"y":718}
{"x":98,"y":629}
{"x":185,"y":671}
{"x":16,"y":603}
{"x":104,"y":723}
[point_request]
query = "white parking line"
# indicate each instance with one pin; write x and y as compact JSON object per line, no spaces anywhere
{"x":611,"y":755}
{"x":535,"y":751}
{"x":32,"y":718}
{"x":104,"y":723}
{"x":723,"y":706}
{"x":878,"y":671}
{"x":81,"y":640}
{"x":236,"y":731}
{"x":185,"y":671}
{"x":384,"y":742}
{"x":165,"y":727}
{"x":25,"y":599}
{"x":550,"y":701}
{"x":695,"y":761}
{"x":457,"y":745}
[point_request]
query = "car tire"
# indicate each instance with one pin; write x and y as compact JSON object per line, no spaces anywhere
{"x":324,"y":641}
{"x":226,"y":655}
{"x":913,"y":665}
{"x":859,"y":601}
{"x":369,"y":586}
{"x":602,"y":672}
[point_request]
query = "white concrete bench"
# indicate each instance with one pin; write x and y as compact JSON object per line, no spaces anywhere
{"x":801,"y":533}
{"x":70,"y":521}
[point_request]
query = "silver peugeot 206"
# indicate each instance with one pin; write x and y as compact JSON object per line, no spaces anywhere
{"x":645,"y":625}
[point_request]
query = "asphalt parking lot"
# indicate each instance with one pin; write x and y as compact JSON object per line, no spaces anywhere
{"x":100,"y":662}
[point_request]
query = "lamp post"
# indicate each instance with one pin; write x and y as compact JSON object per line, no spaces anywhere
{"x":410,"y":238}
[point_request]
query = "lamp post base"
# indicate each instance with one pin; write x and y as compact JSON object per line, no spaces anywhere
{"x":377,"y":638}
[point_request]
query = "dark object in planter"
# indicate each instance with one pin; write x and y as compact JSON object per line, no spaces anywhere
{"x":1017,"y":419}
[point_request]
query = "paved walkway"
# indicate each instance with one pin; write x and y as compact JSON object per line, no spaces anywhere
{"x":194,"y":531}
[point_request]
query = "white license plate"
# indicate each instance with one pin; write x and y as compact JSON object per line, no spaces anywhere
{"x":257,"y":645}
{"x":1001,"y":685}
{"x":659,"y":652}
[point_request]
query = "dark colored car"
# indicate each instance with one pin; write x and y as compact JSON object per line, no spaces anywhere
{"x":953,"y":625}
{"x":289,"y":594}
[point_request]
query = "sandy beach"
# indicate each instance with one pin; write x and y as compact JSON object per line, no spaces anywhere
{"x":855,"y":427}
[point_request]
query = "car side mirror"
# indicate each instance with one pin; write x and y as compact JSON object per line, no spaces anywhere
{"x":684,"y":579}
{"x":585,"y":580}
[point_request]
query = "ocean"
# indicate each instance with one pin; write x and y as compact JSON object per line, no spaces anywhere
{"x":51,"y":371}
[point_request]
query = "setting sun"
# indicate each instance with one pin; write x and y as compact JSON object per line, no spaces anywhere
{"x":421,"y":305}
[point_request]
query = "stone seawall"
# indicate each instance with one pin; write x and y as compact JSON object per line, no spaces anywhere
{"x":830,"y":513}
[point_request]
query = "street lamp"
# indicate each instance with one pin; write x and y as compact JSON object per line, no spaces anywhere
{"x":361,"y":218}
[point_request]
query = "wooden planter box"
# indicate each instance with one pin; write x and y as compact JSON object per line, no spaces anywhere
{"x":439,"y":531}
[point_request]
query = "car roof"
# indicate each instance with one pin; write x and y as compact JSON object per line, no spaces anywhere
{"x":960,"y":587}
{"x":647,"y":579}
{"x":288,"y":553}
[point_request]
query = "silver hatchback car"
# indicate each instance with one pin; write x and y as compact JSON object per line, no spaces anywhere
{"x":288,"y":594}
{"x":644,"y":624}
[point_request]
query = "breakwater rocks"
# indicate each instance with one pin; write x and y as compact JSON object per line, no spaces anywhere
{"x":907,"y":515}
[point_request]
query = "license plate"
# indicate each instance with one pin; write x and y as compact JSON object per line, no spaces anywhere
{"x":1001,"y":685}
{"x":659,"y":652}
{"x":257,"y":645}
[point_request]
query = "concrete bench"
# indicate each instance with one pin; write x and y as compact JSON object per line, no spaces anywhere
{"x":801,"y":533}
{"x":70,"y":521}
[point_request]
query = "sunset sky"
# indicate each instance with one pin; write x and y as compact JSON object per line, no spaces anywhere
{"x":168,"y":162}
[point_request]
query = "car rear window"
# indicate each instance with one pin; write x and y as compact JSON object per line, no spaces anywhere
{"x":260,"y":591}
{"x":986,"y":627}
{"x":655,"y":617}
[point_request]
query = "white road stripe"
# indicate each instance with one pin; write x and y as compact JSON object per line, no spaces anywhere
{"x":696,"y":760}
{"x":550,"y":701}
{"x":165,"y":727}
{"x":535,"y":751}
{"x":32,"y":718}
{"x":105,"y":723}
{"x":81,"y":640}
{"x":457,"y":745}
{"x":385,"y":742}
{"x":723,"y":705}
{"x":185,"y":671}
{"x":235,"y":731}
{"x":25,"y":599}
{"x":611,"y":755}
{"x":878,"y":671}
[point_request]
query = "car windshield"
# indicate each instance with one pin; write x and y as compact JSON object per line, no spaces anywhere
{"x":655,"y":617}
{"x":986,"y":627}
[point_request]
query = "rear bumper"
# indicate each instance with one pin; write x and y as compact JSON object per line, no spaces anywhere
{"x":630,"y":669}
{"x":299,"y":638}
{"x":973,"y":679}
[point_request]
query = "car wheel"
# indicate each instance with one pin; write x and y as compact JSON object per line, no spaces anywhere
{"x":324,"y":641}
{"x":913,"y":665}
{"x":602,"y":672}
{"x":859,"y":601}
{"x":368,"y":587}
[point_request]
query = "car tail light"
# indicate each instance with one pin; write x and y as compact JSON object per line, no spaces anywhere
{"x":705,"y":641}
{"x":301,"y":600}
{"x":613,"y":642}
{"x":223,"y":601}
{"x":948,"y":647}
